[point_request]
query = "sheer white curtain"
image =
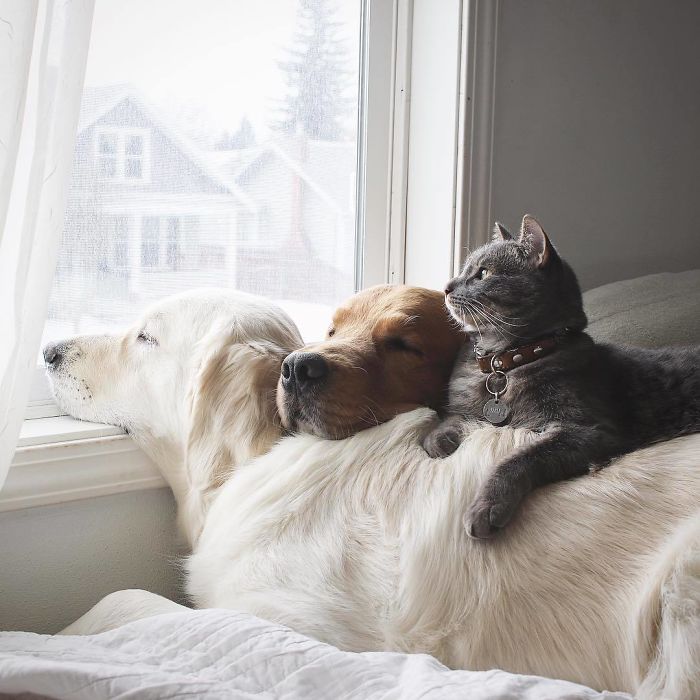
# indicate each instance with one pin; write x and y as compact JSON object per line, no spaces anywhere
{"x":43,"y":52}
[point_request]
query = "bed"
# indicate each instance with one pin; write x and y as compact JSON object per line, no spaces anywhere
{"x":227,"y":654}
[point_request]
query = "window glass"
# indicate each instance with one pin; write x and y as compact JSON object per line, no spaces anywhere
{"x":214,"y":149}
{"x":150,"y":242}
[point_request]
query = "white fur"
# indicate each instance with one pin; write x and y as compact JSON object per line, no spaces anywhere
{"x":360,"y":543}
{"x":226,"y":345}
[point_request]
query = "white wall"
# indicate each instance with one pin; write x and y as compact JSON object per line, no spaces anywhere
{"x":597,"y":130}
{"x":58,"y":561}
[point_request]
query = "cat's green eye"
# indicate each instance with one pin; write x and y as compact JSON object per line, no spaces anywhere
{"x":483,"y":273}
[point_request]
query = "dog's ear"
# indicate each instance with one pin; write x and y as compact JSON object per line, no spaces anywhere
{"x":232,"y":416}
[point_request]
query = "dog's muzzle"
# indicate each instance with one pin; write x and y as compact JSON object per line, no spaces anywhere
{"x":302,"y":371}
{"x":54,"y":354}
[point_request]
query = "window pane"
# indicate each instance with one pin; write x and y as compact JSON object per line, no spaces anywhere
{"x":108,"y":143}
{"x":134,"y":145}
{"x":172,"y":251}
{"x":215,"y":149}
{"x":107,"y":168}
{"x":133,"y":168}
{"x":150,"y":242}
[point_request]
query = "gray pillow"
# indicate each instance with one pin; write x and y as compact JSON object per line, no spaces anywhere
{"x":650,"y":311}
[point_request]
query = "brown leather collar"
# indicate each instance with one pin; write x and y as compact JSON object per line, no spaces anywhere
{"x":517,"y":357}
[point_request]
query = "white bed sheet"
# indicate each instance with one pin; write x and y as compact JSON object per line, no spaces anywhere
{"x":226,"y":654}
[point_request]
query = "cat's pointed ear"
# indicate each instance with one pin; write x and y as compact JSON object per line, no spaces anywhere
{"x":501,"y":233}
{"x":533,"y":237}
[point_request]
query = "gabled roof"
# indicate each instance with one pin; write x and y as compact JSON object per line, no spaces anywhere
{"x":234,"y":164}
{"x":99,"y":101}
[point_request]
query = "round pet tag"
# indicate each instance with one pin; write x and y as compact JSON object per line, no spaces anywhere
{"x":496,"y":411}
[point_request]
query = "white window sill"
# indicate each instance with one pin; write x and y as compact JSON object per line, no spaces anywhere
{"x":59,"y":429}
{"x":60,"y":459}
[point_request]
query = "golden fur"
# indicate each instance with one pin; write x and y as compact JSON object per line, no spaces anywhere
{"x":390,"y":349}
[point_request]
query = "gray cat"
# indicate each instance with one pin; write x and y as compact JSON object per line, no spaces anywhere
{"x":534,"y":367}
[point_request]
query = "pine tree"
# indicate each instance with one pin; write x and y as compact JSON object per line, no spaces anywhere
{"x":316,"y":104}
{"x":244,"y":137}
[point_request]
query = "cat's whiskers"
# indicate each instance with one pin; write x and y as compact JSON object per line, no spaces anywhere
{"x":493,"y":323}
{"x":476,"y":323}
{"x":497,"y":315}
{"x":473,"y":310}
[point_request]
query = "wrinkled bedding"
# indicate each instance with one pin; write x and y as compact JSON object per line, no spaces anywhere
{"x":226,"y":654}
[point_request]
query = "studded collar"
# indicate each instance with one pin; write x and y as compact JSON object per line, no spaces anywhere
{"x":515,"y":357}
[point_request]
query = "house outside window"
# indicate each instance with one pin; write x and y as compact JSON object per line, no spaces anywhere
{"x":161,"y":243}
{"x":133,"y":156}
{"x":123,"y":154}
{"x":120,"y":242}
{"x":107,"y":144}
{"x":150,"y":242}
{"x":172,"y":244}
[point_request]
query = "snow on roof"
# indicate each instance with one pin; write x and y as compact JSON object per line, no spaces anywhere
{"x":232,"y":165}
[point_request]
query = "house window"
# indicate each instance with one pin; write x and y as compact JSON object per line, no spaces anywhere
{"x":161,"y":243}
{"x":120,"y":242}
{"x":122,"y":153}
{"x":133,"y":156}
{"x":107,"y":155}
{"x":172,"y":245}
{"x":150,"y":242}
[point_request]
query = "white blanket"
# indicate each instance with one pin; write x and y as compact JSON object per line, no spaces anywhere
{"x":226,"y":654}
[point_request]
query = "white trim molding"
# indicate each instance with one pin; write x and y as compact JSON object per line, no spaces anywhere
{"x":432,"y":142}
{"x":67,"y":465}
{"x":385,"y":89}
{"x":400,"y":126}
{"x":476,"y":127}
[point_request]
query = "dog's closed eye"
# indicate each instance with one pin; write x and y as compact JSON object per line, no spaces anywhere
{"x":397,"y":343}
{"x":147,"y":338}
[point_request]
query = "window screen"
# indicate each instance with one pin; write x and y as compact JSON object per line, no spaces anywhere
{"x":216,"y":142}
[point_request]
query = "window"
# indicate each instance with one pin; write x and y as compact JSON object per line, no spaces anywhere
{"x":107,"y":155}
{"x":172,"y":249}
{"x":161,"y":243}
{"x":121,"y":153}
{"x":233,"y":176}
{"x":133,"y":156}
{"x":218,"y":160}
{"x":150,"y":242}
{"x":120,"y":242}
{"x":191,"y":169}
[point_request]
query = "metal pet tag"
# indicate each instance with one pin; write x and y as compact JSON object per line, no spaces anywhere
{"x":496,"y":411}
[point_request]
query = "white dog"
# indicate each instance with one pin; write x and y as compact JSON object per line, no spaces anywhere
{"x":359,"y":542}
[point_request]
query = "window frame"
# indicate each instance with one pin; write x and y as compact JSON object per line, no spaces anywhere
{"x":120,"y":156}
{"x":385,"y":187}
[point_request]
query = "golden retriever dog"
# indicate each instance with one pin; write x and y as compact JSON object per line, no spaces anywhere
{"x":196,"y":364}
{"x":389,"y":350}
{"x":359,"y":541}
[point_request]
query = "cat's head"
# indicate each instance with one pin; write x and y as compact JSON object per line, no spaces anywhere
{"x":515,"y":289}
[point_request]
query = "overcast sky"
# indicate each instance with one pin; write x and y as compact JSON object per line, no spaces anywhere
{"x":208,"y":61}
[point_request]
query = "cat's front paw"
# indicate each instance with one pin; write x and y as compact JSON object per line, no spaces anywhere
{"x":442,"y":441}
{"x":492,"y":509}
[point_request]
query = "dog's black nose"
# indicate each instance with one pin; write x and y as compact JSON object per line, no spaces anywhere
{"x":451,"y":286}
{"x":303,"y":369}
{"x":53,"y":354}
